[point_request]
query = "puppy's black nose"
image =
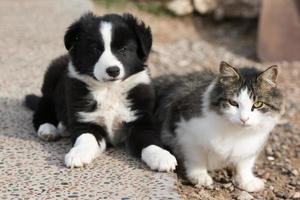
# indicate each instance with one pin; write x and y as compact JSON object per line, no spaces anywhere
{"x":113,"y":71}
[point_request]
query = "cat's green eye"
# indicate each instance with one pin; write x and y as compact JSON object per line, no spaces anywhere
{"x":233,"y":103}
{"x":258,"y":104}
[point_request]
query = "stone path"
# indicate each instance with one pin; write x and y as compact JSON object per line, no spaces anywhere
{"x":31,"y":35}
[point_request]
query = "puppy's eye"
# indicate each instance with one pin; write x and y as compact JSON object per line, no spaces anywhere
{"x":233,"y":103}
{"x":123,"y":50}
{"x":97,"y":49}
{"x":258,"y":104}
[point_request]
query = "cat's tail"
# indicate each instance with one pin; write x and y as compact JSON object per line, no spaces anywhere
{"x":31,"y":101}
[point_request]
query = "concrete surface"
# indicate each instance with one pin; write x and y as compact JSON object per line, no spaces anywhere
{"x":31,"y":35}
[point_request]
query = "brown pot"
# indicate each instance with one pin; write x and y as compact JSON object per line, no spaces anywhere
{"x":279,"y":30}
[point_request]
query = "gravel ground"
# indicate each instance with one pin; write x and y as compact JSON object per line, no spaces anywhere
{"x":29,"y":38}
{"x":186,"y":44}
{"x":192,"y":43}
{"x":233,"y":41}
{"x":279,"y":164}
{"x":31,"y":35}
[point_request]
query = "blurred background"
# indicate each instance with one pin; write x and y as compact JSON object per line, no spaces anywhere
{"x":188,"y":35}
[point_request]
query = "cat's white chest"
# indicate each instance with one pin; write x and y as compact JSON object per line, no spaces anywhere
{"x":236,"y":145}
{"x":219,"y":141}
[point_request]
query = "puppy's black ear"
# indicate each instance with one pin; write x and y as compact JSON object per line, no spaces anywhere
{"x":73,"y":33}
{"x":143,"y":35}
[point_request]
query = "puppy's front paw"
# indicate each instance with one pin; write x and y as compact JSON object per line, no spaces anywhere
{"x":253,"y":185}
{"x":200,"y":178}
{"x":78,"y":157}
{"x":85,"y":150}
{"x":158,"y":159}
{"x":47,"y":132}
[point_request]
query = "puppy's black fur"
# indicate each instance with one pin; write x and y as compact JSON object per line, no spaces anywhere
{"x":64,"y":96}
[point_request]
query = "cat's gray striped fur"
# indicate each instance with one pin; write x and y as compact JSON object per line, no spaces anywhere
{"x":213,"y":120}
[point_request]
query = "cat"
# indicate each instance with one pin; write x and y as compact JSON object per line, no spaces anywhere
{"x":212,"y":120}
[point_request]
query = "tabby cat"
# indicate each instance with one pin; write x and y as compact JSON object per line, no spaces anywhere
{"x":211,"y":120}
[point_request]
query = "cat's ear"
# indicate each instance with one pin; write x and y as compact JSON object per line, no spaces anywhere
{"x":268,"y":78}
{"x":228,"y":74}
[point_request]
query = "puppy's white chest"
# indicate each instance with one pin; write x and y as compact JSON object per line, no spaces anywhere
{"x":113,"y":109}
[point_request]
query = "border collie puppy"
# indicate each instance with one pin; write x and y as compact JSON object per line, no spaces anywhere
{"x":214,"y":120}
{"x":101,"y":92}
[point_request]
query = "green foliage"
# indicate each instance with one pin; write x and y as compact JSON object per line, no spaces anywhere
{"x":110,"y":3}
{"x":153,"y":7}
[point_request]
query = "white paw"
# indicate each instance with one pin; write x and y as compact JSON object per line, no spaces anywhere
{"x":253,"y":185}
{"x":200,"y":178}
{"x":47,"y":132}
{"x":78,"y":157}
{"x":158,"y":159}
{"x":85,"y":150}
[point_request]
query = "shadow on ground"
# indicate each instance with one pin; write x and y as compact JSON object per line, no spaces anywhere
{"x":235,"y":35}
{"x":33,"y":168}
{"x":16,"y":125}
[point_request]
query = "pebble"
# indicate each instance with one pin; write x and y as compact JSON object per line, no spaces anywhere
{"x":244,"y":196}
{"x":294,"y":182}
{"x":295,"y":172}
{"x":231,"y":188}
{"x":268,"y":194}
{"x":296,"y":195}
{"x":280,"y":194}
{"x":269,"y":151}
{"x":288,"y":127}
{"x":266,"y":176}
{"x":277,"y":154}
{"x":270,"y":158}
{"x":180,"y":7}
{"x":226,"y":185}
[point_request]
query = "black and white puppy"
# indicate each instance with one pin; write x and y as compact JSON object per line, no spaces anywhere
{"x":101,"y":92}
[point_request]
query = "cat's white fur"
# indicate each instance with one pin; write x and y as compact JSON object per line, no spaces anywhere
{"x":212,"y":141}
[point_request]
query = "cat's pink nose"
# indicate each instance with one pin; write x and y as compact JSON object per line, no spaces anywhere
{"x":244,"y":120}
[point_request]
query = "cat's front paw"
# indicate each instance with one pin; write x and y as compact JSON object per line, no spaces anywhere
{"x":253,"y":185}
{"x":200,"y":178}
{"x":158,"y":159}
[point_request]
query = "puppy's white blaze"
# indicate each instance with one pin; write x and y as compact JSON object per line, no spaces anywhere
{"x":84,"y":151}
{"x":107,"y":59}
{"x":158,"y":159}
